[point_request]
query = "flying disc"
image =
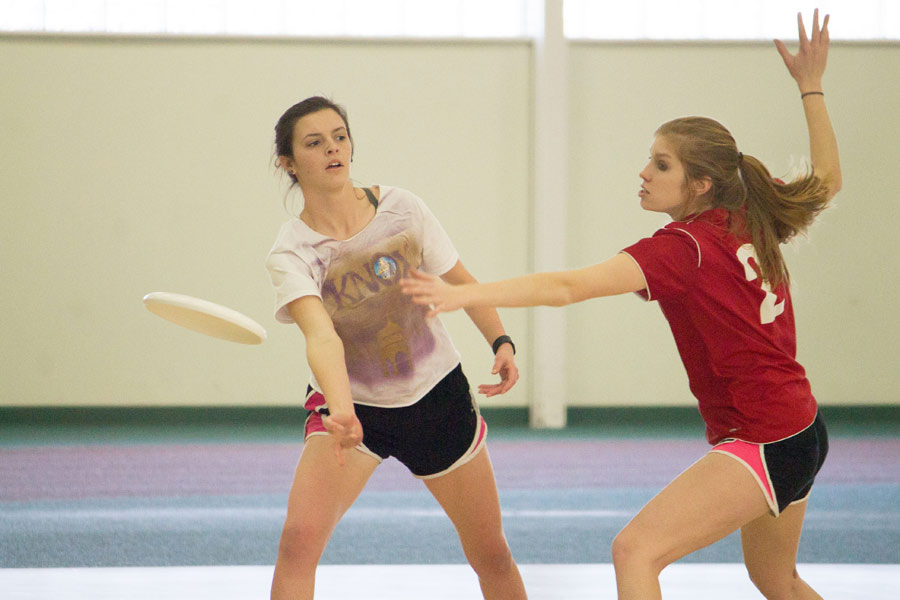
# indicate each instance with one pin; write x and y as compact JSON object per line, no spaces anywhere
{"x":205,"y":317}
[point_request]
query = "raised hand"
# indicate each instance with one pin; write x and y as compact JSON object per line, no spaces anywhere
{"x":808,"y":65}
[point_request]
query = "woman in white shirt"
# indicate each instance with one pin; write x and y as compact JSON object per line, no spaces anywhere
{"x":385,"y":381}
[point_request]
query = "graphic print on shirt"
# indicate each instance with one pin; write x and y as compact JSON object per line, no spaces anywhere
{"x":770,"y":306}
{"x":382,"y":330}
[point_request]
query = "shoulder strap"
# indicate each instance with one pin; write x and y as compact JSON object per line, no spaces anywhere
{"x":371,"y":197}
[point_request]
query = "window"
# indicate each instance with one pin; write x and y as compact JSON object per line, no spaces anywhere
{"x":584,"y":19}
{"x":727,"y":19}
{"x":303,"y":18}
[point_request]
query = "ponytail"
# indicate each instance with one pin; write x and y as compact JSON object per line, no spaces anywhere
{"x":776,"y":211}
{"x":766,"y":209}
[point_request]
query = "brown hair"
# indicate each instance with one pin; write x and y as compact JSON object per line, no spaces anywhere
{"x":284,"y":129}
{"x":771,"y":211}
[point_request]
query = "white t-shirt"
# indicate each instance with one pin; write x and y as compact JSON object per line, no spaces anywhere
{"x":394,"y":354}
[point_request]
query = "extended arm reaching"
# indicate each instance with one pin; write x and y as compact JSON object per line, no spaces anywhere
{"x":807,"y":67}
{"x":618,"y":275}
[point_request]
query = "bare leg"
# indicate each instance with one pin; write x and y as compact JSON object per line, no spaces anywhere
{"x":708,"y":501}
{"x":320,"y":495}
{"x":770,"y":553}
{"x":468,"y":494}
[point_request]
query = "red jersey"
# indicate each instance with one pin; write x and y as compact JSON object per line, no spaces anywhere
{"x":735,"y":335}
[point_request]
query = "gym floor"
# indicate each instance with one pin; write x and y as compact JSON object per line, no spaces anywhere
{"x":192,"y":508}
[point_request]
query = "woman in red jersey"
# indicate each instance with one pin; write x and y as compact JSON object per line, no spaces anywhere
{"x":719,"y":276}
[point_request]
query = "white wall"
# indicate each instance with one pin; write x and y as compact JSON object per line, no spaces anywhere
{"x":132,"y":166}
{"x":135,"y":165}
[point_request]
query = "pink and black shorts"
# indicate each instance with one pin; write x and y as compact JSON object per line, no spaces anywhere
{"x":442,"y":431}
{"x":785,"y":470}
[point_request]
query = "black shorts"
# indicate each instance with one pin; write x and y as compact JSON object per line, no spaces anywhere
{"x":785,"y":470}
{"x":437,"y":434}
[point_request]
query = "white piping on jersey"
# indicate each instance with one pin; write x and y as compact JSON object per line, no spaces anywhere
{"x":699,"y":254}
{"x":646,"y":285}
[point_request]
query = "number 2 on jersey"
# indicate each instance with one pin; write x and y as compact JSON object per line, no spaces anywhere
{"x":770,"y":307}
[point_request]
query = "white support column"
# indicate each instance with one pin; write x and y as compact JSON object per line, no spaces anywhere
{"x":549,"y":200}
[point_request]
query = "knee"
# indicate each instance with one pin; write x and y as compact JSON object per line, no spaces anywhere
{"x":302,"y":544}
{"x":630,"y":551}
{"x":491,"y":558}
{"x":776,"y":586}
{"x":624,"y":549}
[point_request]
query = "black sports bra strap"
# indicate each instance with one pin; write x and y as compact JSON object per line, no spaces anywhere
{"x":371,"y":197}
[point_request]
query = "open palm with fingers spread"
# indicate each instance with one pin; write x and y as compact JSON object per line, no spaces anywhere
{"x":808,"y":65}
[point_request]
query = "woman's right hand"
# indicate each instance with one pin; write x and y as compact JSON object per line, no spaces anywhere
{"x":325,"y":354}
{"x":431,"y":291}
{"x":808,"y":65}
{"x":345,"y":430}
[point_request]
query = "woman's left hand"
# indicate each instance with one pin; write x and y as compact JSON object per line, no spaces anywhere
{"x":505,"y":365}
{"x":808,"y":65}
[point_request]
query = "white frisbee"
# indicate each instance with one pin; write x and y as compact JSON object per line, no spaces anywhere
{"x":205,"y":317}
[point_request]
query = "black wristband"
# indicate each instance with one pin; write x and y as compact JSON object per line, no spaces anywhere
{"x":503,"y":339}
{"x":805,"y":94}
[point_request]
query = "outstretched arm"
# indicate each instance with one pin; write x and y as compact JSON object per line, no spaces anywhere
{"x":807,"y":68}
{"x":618,"y":275}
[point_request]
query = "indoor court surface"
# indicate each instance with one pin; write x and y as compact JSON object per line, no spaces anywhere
{"x":434,"y":582}
{"x":193,"y":510}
